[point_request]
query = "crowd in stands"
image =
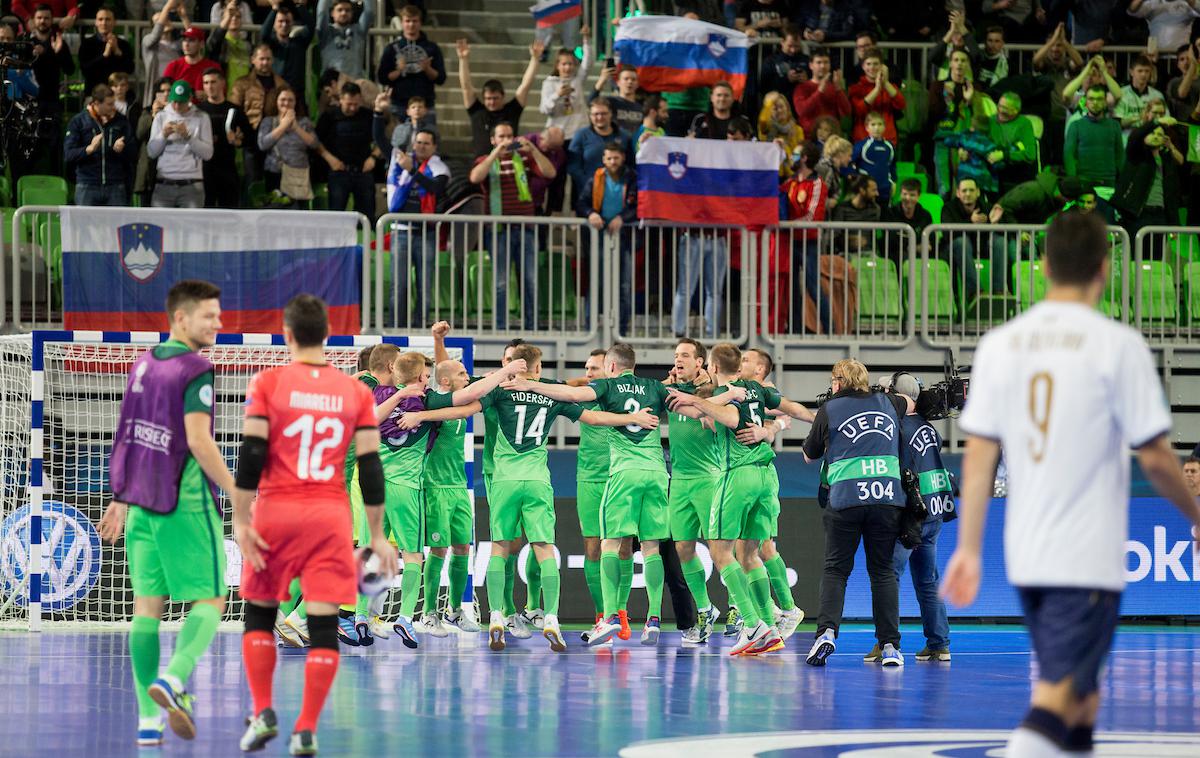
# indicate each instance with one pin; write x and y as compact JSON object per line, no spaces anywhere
{"x":210,"y":115}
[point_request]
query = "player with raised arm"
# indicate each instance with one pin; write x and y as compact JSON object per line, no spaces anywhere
{"x":1066,"y":392}
{"x":742,"y":506}
{"x":167,"y":465}
{"x":299,"y":421}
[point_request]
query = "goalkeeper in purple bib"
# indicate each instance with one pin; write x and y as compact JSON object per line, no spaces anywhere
{"x":165,"y":471}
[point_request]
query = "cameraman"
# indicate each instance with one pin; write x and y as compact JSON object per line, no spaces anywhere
{"x":857,"y":431}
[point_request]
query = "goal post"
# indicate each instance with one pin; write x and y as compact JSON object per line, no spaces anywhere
{"x":60,"y":395}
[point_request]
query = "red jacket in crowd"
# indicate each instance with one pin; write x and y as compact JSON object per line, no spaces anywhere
{"x":887,"y":106}
{"x":812,"y":103}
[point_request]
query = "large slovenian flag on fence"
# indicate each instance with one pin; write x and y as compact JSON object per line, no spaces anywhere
{"x":709,"y":181}
{"x":672,"y":54}
{"x":118,"y":265}
{"x":550,"y":12}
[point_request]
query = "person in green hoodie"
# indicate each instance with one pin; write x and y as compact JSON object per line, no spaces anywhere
{"x":1094,"y":151}
{"x":1013,"y":134}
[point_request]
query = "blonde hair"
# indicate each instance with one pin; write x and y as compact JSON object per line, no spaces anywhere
{"x":853,"y":373}
{"x":382,"y":357}
{"x":409,"y":367}
{"x":836,"y":145}
{"x":531,"y":354}
{"x":726,"y":357}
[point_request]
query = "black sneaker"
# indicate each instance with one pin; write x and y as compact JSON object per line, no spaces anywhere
{"x":260,"y":730}
{"x":303,"y":743}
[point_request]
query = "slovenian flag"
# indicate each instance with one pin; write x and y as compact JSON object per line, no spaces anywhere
{"x":119,"y":263}
{"x":672,"y":54}
{"x":709,"y":181}
{"x":550,"y":12}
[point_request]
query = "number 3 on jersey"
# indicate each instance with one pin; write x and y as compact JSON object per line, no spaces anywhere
{"x":309,"y":464}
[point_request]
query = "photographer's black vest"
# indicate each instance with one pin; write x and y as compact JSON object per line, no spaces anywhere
{"x":863,"y":454}
{"x":921,"y":452}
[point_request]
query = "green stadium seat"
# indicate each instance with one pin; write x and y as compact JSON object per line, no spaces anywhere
{"x":878,"y":290}
{"x":5,"y":191}
{"x":556,"y":286}
{"x":479,"y":274}
{"x":932,"y":203}
{"x":1191,"y":292}
{"x":1158,"y":296}
{"x":923,"y":179}
{"x":39,"y":189}
{"x":941,"y":290}
{"x":1030,"y":283}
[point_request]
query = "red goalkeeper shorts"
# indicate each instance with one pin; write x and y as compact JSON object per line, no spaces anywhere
{"x":310,"y":540}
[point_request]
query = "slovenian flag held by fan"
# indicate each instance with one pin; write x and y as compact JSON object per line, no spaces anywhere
{"x":709,"y":181}
{"x":672,"y":54}
{"x":550,"y":12}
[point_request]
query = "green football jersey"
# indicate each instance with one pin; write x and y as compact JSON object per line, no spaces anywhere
{"x":444,"y":468}
{"x":751,"y":411}
{"x":351,"y":454}
{"x":404,"y":453}
{"x":523,"y":421}
{"x":594,"y":441}
{"x":693,"y":448}
{"x":489,"y":432}
{"x":631,"y":446}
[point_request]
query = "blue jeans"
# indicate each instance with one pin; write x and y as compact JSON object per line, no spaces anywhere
{"x":101,"y":194}
{"x":806,"y":262}
{"x":625,"y":276}
{"x":697,"y":257}
{"x":925,"y":580}
{"x":346,"y":184}
{"x":962,"y":264}
{"x":515,"y":246}
{"x":415,"y":254}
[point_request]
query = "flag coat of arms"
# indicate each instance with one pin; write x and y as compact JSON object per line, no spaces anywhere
{"x":673,"y":54}
{"x":551,"y":12}
{"x":709,"y":181}
{"x":119,"y":263}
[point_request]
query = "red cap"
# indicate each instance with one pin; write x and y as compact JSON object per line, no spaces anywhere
{"x":194,"y":32}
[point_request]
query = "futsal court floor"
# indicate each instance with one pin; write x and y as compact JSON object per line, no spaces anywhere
{"x":68,"y":693}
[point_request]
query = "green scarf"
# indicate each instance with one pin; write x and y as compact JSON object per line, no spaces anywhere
{"x":496,"y":193}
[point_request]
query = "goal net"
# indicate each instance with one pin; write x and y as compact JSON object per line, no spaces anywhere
{"x":82,"y":383}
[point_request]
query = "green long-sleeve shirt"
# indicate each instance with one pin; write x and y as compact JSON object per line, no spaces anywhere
{"x":1016,"y":139}
{"x":1094,"y":151}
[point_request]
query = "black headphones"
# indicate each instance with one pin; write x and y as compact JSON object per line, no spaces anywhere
{"x":892,"y":386}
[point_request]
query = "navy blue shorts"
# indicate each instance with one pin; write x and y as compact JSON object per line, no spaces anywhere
{"x":1072,"y":630}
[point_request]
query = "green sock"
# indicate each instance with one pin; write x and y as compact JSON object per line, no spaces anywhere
{"x":626,"y":584}
{"x":194,"y":638}
{"x":363,"y":606}
{"x":760,"y":593}
{"x":302,"y":609}
{"x":495,"y":583}
{"x":290,"y":604}
{"x":610,"y":581}
{"x":777,"y":571}
{"x":410,"y":588}
{"x":433,"y":580}
{"x":652,"y":570}
{"x":533,"y":580}
{"x":550,"y":584}
{"x":510,"y":576}
{"x":459,"y":566}
{"x":591,"y":574}
{"x":739,"y":593}
{"x":693,"y":574}
{"x":144,"y":652}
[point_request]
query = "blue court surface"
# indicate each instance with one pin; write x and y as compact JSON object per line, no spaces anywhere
{"x":70,"y":693}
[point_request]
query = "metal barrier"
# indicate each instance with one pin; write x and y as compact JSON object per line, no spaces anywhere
{"x":1166,"y":276}
{"x":975,"y":276}
{"x":493,"y":276}
{"x":837,"y":283}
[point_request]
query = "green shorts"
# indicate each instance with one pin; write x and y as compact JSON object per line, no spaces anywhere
{"x":517,"y":504}
{"x":742,"y":505}
{"x":358,"y":513}
{"x":405,"y":512}
{"x":689,"y":504}
{"x":180,"y":554}
{"x":635,"y":505}
{"x":448,"y":516}
{"x":588,"y":496}
{"x":773,"y":482}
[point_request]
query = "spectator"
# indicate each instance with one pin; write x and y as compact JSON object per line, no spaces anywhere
{"x":684,"y":107}
{"x":218,"y":9}
{"x":123,"y":98}
{"x":494,"y":108}
{"x":835,"y":158}
{"x":180,"y":142}
{"x":822,"y":95}
{"x":1148,"y":184}
{"x":63,"y":13}
{"x":864,"y":41}
{"x":627,"y":111}
{"x":504,"y":175}
{"x":101,"y":148}
{"x":1021,"y":20}
{"x":1183,"y":96}
{"x":552,"y":144}
{"x":908,"y":211}
{"x":824,"y":128}
{"x":193,"y":64}
{"x":707,"y":10}
{"x":992,"y":66}
{"x":288,"y":31}
{"x":585,"y":153}
{"x":1090,"y":20}
{"x":344,"y":136}
{"x":956,"y":39}
{"x":342,"y":40}
{"x":1013,"y":135}
{"x":161,"y":46}
{"x":715,"y":123}
{"x":755,"y":17}
{"x":609,"y":203}
{"x":1032,"y":202}
{"x":979,"y":157}
{"x":51,"y":60}
{"x":655,"y":115}
{"x":1058,"y":61}
{"x":228,"y":44}
{"x":143,"y":181}
{"x":861,"y":206}
{"x":835,"y":20}
{"x":1170,"y":21}
{"x":909,"y":21}
{"x":563,"y":91}
{"x":412,"y":65}
{"x":568,"y":32}
{"x":951,"y":104}
{"x":740,"y":130}
{"x":806,"y":194}
{"x":230,"y":129}
{"x":330,"y":89}
{"x":414,"y":251}
{"x":102,"y":53}
{"x":418,"y":119}
{"x":875,"y":93}
{"x":776,"y":124}
{"x":254,"y":94}
{"x":876,"y":157}
{"x":285,"y":139}
{"x":20,"y":82}
{"x":1094,"y":150}
{"x":1137,"y":94}
{"x":1095,"y":73}
{"x":966,"y":206}
{"x":787,"y":67}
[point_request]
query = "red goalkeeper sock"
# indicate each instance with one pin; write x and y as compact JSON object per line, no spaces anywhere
{"x":258,"y":655}
{"x":319,"y":672}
